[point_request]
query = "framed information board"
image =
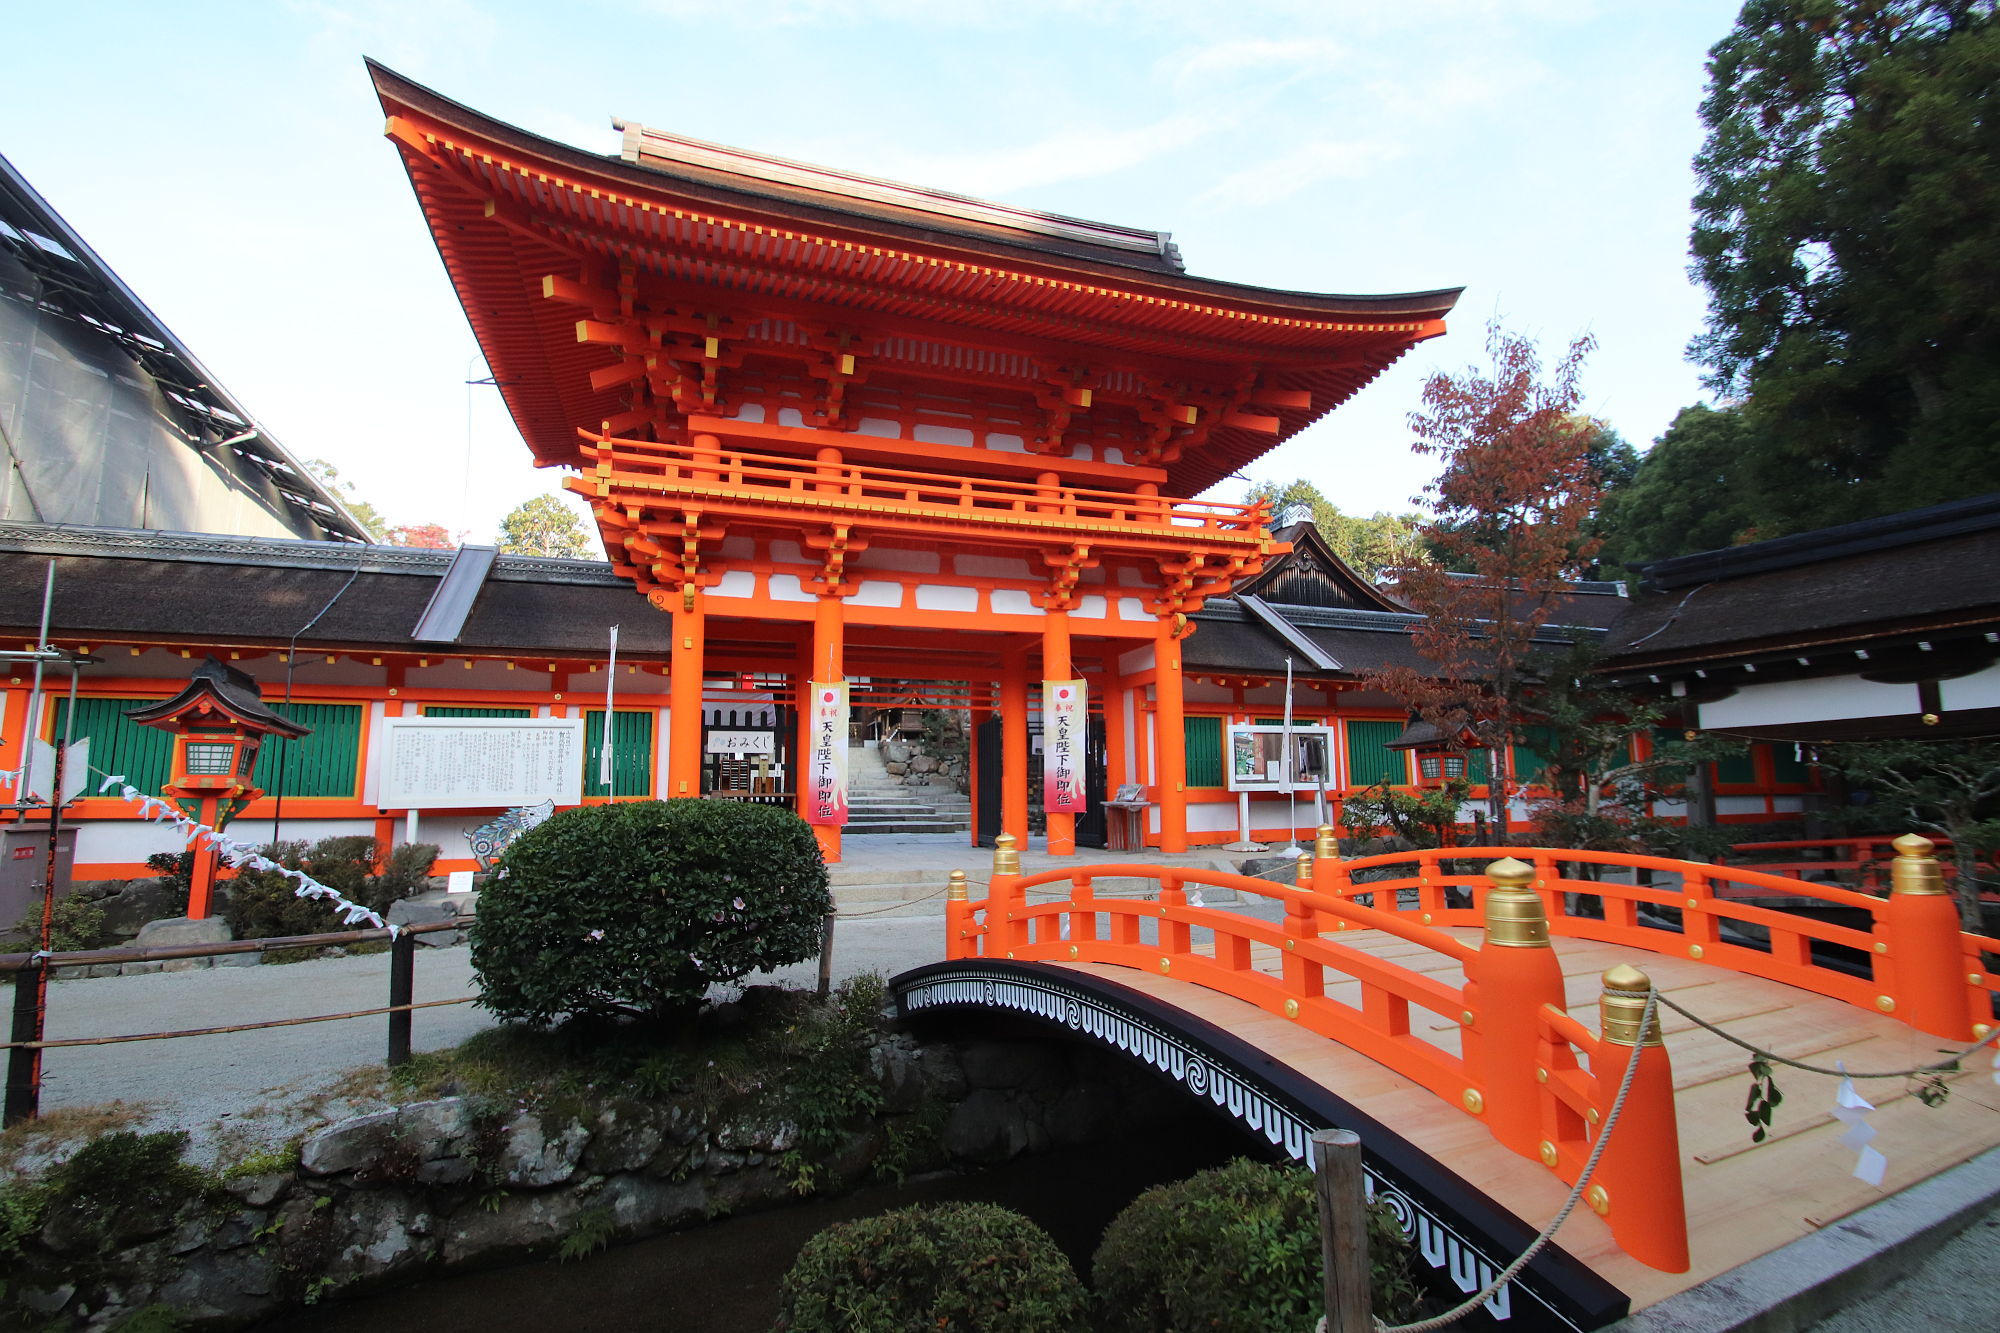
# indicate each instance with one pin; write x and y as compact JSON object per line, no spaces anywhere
{"x":1257,"y":758}
{"x":469,"y":763}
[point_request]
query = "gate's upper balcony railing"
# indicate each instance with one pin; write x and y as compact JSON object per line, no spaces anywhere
{"x":775,"y":486}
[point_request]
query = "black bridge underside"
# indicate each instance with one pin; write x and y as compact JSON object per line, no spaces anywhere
{"x":1453,"y":1226}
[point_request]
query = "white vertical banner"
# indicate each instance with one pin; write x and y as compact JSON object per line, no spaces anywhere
{"x":1063,"y":719}
{"x":826,"y":763}
{"x":604,"y":766}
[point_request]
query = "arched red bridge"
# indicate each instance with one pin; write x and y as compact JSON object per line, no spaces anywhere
{"x":1451,"y":1011}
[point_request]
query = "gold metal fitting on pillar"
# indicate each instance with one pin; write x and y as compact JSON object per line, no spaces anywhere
{"x":1514,"y":915}
{"x":1915,"y":870}
{"x":956,"y":892}
{"x":1619,"y":1015}
{"x":1325,"y":845}
{"x":1006,"y":855}
{"x":1304,"y":877}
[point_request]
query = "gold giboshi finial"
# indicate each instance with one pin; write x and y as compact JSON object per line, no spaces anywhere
{"x":1514,"y":915}
{"x":1006,"y":855}
{"x":1326,"y":846}
{"x":1619,"y":1015}
{"x":1915,"y":870}
{"x":957,"y":891}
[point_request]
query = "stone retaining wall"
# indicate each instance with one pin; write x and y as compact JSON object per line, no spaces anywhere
{"x":459,"y":1181}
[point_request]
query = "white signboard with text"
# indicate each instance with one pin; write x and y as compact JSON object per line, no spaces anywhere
{"x":470,"y":763}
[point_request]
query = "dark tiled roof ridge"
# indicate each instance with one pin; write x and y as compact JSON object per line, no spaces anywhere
{"x":1977,"y":513}
{"x":297,"y":553}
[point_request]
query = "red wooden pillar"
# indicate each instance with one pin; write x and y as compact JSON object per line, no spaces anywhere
{"x":1926,"y":948}
{"x":201,"y":874}
{"x":1170,"y":738}
{"x":1014,"y":747}
{"x":1056,"y":666}
{"x":683,"y":697}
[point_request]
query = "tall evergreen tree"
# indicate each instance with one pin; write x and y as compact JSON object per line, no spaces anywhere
{"x":1848,"y":232}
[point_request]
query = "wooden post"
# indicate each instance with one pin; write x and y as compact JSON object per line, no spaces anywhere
{"x":1343,"y":1230}
{"x":1638,"y":1187}
{"x":958,"y":919}
{"x":24,"y":1063}
{"x":1515,"y":974}
{"x":1926,"y":952}
{"x":1002,"y":900}
{"x":1170,"y":738}
{"x":1014,"y":746}
{"x":826,"y":956}
{"x":402,"y":988}
{"x":683,"y":699}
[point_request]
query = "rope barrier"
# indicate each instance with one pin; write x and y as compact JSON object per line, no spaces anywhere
{"x":893,"y":907}
{"x":235,"y":1027}
{"x":1506,"y":1275}
{"x":1949,"y":1063}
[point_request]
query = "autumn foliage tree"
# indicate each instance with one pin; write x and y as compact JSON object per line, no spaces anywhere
{"x":1512,"y":507}
{"x":424,"y":536}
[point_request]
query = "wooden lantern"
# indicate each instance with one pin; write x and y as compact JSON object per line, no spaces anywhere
{"x":219,"y":723}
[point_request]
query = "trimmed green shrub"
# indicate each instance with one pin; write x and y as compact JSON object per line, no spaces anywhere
{"x":1234,"y":1250}
{"x":260,"y":904}
{"x":638,"y":907}
{"x":74,"y":925}
{"x":975,"y":1267}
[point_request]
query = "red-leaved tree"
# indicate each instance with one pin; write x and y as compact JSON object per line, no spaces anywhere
{"x":1508,"y":523}
{"x":428,"y":536}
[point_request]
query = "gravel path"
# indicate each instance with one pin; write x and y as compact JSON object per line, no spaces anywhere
{"x":240,"y":1090}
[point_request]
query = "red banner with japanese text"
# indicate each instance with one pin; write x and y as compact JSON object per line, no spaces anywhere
{"x":1063,"y":721}
{"x":826,"y":759}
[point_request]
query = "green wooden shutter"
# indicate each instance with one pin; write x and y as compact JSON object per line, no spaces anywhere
{"x":453,"y":710}
{"x":1204,"y":750}
{"x":1478,"y":765}
{"x":1737,"y":769}
{"x":326,"y":763}
{"x":632,"y":757}
{"x":145,"y":755}
{"x":1369,"y":760}
{"x":1532,"y":754}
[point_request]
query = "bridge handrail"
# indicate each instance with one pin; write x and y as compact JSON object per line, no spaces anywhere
{"x":1314,"y":898}
{"x":1919,"y":972}
{"x":1514,"y":1067}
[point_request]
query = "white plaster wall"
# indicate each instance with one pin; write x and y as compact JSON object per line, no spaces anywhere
{"x":1979,"y":690}
{"x":877,"y":592}
{"x":735,"y":583}
{"x":946,"y":597}
{"x":1090,"y":608}
{"x":991,"y":567}
{"x":1133,"y":608}
{"x":1739,"y":805}
{"x":1014,"y":602}
{"x":1825,"y":699}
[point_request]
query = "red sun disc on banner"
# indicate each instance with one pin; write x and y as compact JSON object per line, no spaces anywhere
{"x":826,"y":698}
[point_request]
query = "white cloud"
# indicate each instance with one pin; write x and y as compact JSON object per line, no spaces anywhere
{"x":1293,"y":170}
{"x":1209,"y":64}
{"x":1073,"y":152}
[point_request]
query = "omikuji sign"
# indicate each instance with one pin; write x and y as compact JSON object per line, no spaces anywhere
{"x":826,"y":765}
{"x":1063,"y":720}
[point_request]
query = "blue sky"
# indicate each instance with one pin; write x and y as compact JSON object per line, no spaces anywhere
{"x":227,"y":160}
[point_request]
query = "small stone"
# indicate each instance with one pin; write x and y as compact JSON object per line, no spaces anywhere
{"x":185,"y":965}
{"x":47,"y":1302}
{"x":258,"y":1191}
{"x":531,"y":1159}
{"x":188,"y":1236}
{"x":237,"y":959}
{"x":348,"y":1144}
{"x":177,"y":930}
{"x":140,"y":968}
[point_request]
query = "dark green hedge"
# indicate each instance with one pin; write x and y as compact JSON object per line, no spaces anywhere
{"x":639,"y":907}
{"x":971,"y":1267}
{"x":1233,"y":1250}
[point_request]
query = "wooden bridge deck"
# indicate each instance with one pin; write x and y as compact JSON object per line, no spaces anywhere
{"x":1743,"y":1199}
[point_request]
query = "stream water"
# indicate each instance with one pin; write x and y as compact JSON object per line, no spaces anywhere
{"x":723,"y":1277}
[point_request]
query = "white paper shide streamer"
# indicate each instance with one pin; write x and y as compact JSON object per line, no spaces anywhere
{"x":241,"y":855}
{"x":1850,"y":1108}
